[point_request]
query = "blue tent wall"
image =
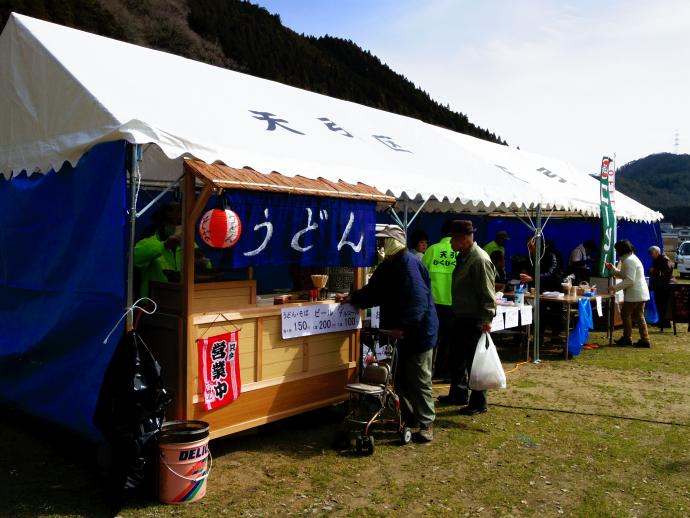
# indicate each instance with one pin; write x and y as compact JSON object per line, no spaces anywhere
{"x":566,"y":233}
{"x":62,"y":285}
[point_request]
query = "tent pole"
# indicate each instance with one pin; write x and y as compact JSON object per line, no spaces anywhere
{"x":134,"y":181}
{"x":395,"y":216}
{"x":159,"y":196}
{"x":418,"y":211}
{"x":405,"y":227}
{"x":537,"y":283}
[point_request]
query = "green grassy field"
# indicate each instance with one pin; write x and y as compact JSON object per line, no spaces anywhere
{"x":605,"y":434}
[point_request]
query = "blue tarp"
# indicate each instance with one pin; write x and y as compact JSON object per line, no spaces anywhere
{"x":62,"y":285}
{"x":566,"y":233}
{"x":651,"y":315}
{"x":579,"y":335}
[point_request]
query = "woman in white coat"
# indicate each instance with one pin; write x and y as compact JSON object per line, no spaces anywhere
{"x":635,"y":293}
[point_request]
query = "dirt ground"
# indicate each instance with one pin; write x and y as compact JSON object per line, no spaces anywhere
{"x":605,"y":434}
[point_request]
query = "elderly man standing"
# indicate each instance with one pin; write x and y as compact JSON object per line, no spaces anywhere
{"x":474,"y":305}
{"x":401,"y":286}
{"x":660,"y":275}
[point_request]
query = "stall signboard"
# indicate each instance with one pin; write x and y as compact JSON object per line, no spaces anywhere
{"x":219,"y":369}
{"x":280,"y":228}
{"x":607,"y":188}
{"x":317,"y":319}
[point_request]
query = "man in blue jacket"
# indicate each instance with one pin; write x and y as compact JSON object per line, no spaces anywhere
{"x":401,"y":287}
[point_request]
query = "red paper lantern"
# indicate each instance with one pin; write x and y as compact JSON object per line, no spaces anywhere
{"x":220,"y":228}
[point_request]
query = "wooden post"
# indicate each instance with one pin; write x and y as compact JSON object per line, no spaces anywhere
{"x":192,"y":209}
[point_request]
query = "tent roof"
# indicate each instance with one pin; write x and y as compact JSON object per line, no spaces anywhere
{"x":64,"y":90}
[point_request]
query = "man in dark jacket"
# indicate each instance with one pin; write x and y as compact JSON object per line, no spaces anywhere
{"x":660,"y":275}
{"x":549,"y":266}
{"x":400,"y":285}
{"x":550,"y":280}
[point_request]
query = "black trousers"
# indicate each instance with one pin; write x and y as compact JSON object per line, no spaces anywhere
{"x":445,"y":340}
{"x":466,"y":333}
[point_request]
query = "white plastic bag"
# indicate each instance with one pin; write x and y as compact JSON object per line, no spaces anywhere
{"x":487,"y":371}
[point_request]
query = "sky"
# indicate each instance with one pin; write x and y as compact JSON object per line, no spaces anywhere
{"x":572,"y":80}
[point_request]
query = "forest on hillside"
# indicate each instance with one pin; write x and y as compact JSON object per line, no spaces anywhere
{"x":245,"y":37}
{"x":660,"y":181}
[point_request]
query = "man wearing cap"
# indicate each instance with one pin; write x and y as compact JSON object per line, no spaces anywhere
{"x":401,"y":287}
{"x":498,"y":243}
{"x":474,"y":307}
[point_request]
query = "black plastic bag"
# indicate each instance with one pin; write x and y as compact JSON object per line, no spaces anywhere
{"x":130,"y":410}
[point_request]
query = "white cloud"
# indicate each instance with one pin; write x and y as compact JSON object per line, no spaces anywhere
{"x":570,"y":80}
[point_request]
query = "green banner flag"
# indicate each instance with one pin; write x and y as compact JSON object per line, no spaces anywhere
{"x":607,"y":189}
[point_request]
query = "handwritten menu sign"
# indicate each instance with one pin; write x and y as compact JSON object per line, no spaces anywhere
{"x":317,"y":319}
{"x":680,"y":302}
{"x":525,"y":315}
{"x":498,"y":323}
{"x":376,"y":317}
{"x":512,"y":317}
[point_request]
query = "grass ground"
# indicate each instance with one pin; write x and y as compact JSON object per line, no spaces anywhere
{"x":605,"y":434}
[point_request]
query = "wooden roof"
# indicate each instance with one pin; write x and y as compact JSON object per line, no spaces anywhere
{"x":251,"y":180}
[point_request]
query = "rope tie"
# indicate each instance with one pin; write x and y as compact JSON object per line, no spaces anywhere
{"x":131,"y":309}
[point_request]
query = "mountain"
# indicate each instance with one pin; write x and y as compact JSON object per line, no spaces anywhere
{"x":660,"y":181}
{"x":245,"y":37}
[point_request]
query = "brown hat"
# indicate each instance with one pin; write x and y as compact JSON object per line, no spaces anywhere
{"x":462,"y":226}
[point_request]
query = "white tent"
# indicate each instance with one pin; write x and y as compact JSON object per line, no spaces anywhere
{"x":62,"y":91}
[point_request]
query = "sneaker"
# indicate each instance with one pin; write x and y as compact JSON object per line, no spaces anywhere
{"x":643,"y":343}
{"x":623,"y":340}
{"x":425,"y":433}
{"x":468,"y":410}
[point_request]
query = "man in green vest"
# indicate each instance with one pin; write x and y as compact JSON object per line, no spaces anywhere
{"x":498,"y":244}
{"x":439,"y":259}
{"x":158,"y":257}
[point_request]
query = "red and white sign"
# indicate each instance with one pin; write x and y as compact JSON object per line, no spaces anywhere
{"x":219,"y":369}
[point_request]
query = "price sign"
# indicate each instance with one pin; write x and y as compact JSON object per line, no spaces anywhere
{"x":376,"y":317}
{"x":497,"y":324}
{"x":512,"y":317}
{"x":317,"y":319}
{"x":526,"y":315}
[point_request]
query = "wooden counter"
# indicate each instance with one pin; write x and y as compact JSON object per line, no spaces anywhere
{"x":279,"y":377}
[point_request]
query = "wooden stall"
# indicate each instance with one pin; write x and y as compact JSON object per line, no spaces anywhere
{"x":280,"y":377}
